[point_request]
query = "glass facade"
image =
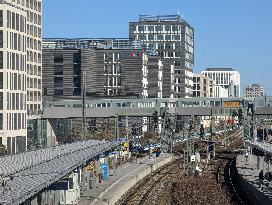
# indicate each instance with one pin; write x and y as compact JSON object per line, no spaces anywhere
{"x":36,"y":134}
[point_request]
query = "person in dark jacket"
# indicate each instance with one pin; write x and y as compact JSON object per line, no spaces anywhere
{"x":261,"y":178}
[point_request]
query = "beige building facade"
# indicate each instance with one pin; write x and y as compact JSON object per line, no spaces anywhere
{"x":253,"y":91}
{"x":20,"y":70}
{"x":203,"y":86}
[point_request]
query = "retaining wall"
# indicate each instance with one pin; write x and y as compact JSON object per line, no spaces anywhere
{"x":120,"y":187}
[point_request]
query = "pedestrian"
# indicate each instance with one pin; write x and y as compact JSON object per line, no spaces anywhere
{"x":100,"y":176}
{"x":198,"y":170}
{"x":261,"y":178}
{"x":246,"y":155}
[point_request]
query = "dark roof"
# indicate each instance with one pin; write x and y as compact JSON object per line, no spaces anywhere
{"x":220,"y":69}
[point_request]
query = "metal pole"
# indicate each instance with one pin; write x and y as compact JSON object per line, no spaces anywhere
{"x":184,"y":159}
{"x":127,"y":135}
{"x":65,"y":197}
{"x":211,"y":128}
{"x":192,"y":135}
{"x":225,"y":129}
{"x":263,"y":134}
{"x":116,"y":127}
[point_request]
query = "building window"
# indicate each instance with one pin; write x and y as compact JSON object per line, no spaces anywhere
{"x":58,"y":82}
{"x":141,"y":28}
{"x":167,"y":28}
{"x":76,"y":91}
{"x":58,"y":92}
{"x":105,"y":69}
{"x":1,"y":101}
{"x":150,"y":28}
{"x":1,"y":39}
{"x":1,"y":80}
{"x":142,"y":37}
{"x":77,"y":63}
{"x":1,"y":18}
{"x":118,"y":69}
{"x":158,"y":28}
{"x":160,"y":37}
{"x":58,"y":69}
{"x":167,"y":37}
{"x":175,"y":28}
{"x":58,"y":64}
{"x":1,"y":59}
{"x":1,"y":121}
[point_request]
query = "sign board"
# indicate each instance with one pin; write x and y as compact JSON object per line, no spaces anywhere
{"x":193,"y":158}
{"x":90,"y":167}
{"x":232,"y":104}
{"x":126,"y":144}
{"x":134,"y":54}
{"x":76,"y":171}
{"x":211,"y":146}
{"x":102,"y":160}
{"x":105,"y":172}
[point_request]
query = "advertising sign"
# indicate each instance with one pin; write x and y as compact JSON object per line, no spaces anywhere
{"x":60,"y":185}
{"x":102,"y":160}
{"x":193,"y":158}
{"x":232,"y":104}
{"x":105,"y":171}
{"x":90,"y":167}
{"x":126,"y":144}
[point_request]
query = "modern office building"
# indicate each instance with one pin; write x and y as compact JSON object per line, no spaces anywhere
{"x":20,"y":70}
{"x":112,"y":68}
{"x":203,"y":86}
{"x":227,"y":78}
{"x":173,"y":39}
{"x":253,"y":91}
{"x":220,"y":92}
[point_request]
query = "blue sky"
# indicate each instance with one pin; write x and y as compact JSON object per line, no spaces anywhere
{"x":228,"y":33}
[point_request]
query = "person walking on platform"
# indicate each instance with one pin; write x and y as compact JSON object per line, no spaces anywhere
{"x":261,"y":178}
{"x":246,"y":155}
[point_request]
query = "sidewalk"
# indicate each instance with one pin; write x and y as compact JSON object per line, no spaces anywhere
{"x":120,"y":177}
{"x":249,"y":172}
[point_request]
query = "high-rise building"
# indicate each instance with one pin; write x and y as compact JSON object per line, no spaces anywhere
{"x":253,"y":91}
{"x":113,"y":68}
{"x":173,"y":39}
{"x":227,"y":78}
{"x":203,"y":86}
{"x":20,"y":70}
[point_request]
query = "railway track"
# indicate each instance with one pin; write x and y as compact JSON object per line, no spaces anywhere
{"x":148,"y":188}
{"x":229,"y":179}
{"x":169,"y":185}
{"x":225,"y":176}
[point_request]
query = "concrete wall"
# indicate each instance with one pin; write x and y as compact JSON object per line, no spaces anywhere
{"x":254,"y":196}
{"x":120,"y":187}
{"x":247,"y":183}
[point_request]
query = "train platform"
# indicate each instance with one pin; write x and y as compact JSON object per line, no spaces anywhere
{"x":248,"y":170}
{"x":122,"y":179}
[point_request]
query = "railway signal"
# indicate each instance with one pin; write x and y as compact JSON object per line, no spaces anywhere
{"x":168,"y":130}
{"x":155,"y":118}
